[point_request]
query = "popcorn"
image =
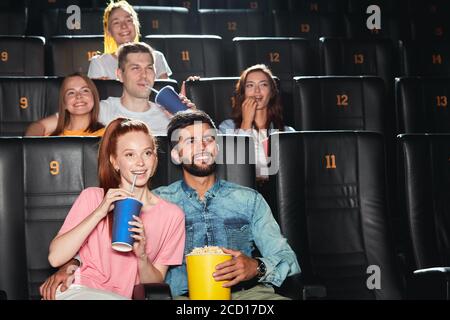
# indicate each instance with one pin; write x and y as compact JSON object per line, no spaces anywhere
{"x":206,"y":250}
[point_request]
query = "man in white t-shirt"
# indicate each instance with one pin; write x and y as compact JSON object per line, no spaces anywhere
{"x":136,"y":72}
{"x":104,"y":66}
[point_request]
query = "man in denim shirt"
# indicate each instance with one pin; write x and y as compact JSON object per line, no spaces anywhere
{"x":221,"y":213}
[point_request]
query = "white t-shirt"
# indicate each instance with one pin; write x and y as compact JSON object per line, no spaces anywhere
{"x":155,"y":117}
{"x":105,"y":65}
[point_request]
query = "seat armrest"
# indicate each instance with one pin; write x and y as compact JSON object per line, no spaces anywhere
{"x":294,"y":288}
{"x":430,"y":283}
{"x":2,"y":295}
{"x":440,"y":271}
{"x":152,"y":291}
{"x":313,"y":292}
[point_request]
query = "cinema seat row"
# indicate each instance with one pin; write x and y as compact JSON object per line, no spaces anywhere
{"x":330,"y":201}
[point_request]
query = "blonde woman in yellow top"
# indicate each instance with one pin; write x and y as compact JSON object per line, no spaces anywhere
{"x":121,"y":25}
{"x":77,"y":112}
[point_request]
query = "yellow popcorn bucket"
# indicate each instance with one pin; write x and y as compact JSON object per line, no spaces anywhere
{"x":201,"y":283}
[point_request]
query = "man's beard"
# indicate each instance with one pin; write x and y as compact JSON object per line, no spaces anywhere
{"x":198,"y":171}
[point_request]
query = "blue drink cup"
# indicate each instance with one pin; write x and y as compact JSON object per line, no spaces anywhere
{"x":123,"y":213}
{"x":170,"y":100}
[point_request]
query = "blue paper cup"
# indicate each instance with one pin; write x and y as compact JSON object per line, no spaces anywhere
{"x":170,"y":100}
{"x":123,"y":213}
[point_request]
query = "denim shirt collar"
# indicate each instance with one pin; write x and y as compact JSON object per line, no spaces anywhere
{"x":211,"y":193}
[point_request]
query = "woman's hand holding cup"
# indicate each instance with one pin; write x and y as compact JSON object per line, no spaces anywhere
{"x":112,"y":196}
{"x":137,"y":226}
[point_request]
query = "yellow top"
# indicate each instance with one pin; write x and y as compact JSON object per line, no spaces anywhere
{"x":98,"y":133}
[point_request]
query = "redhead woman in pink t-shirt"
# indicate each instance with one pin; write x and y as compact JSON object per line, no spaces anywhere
{"x":127,"y":149}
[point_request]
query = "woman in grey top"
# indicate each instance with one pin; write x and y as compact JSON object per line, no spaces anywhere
{"x":121,"y":25}
{"x":257,"y":111}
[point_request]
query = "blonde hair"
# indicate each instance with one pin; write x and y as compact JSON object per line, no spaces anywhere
{"x":110,"y":45}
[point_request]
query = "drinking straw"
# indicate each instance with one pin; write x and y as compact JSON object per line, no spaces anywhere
{"x":134,"y":182}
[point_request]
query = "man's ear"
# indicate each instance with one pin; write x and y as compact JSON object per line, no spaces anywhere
{"x":175,"y":156}
{"x":119,"y":74}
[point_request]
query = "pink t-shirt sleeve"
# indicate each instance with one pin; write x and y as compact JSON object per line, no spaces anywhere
{"x":172,"y":248}
{"x":84,"y":205}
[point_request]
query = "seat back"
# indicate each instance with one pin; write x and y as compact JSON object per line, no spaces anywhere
{"x":163,"y":20}
{"x":24,"y":100}
{"x":332,"y":207}
{"x":13,"y":275}
{"x":422,"y":104}
{"x":21,"y":56}
{"x":392,"y":27}
{"x":69,"y":54}
{"x":229,"y":24}
{"x":311,"y":6}
{"x":426,"y":185}
{"x":425,"y":58}
{"x":58,"y":22}
{"x":55,"y":172}
{"x":307,"y":25}
{"x":213,"y":95}
{"x":358,"y":57}
{"x":191,"y":55}
{"x":232,"y":23}
{"x":13,"y":22}
{"x":340,"y":103}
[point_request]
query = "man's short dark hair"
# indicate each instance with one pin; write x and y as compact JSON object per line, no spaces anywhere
{"x":132,"y":47}
{"x":187,"y":118}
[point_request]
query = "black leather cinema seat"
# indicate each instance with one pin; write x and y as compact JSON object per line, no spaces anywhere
{"x":213,"y":95}
{"x":307,"y":25}
{"x":340,"y":103}
{"x":232,"y":23}
{"x":163,"y":20}
{"x":262,"y":5}
{"x":386,"y":6}
{"x":13,"y":22}
{"x":24,"y":100}
{"x":422,"y":104}
{"x":21,"y":56}
{"x":229,"y":24}
{"x":311,"y":6}
{"x":13,"y":264}
{"x":53,"y":4}
{"x":55,"y":172}
{"x":430,"y":7}
{"x":191,"y":54}
{"x":431,"y":27}
{"x":69,"y":54}
{"x":392,"y":27}
{"x":332,"y":207}
{"x":286,"y":57}
{"x":56,"y":22}
{"x":425,"y":182}
{"x":358,"y":57}
{"x":425,"y":58}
